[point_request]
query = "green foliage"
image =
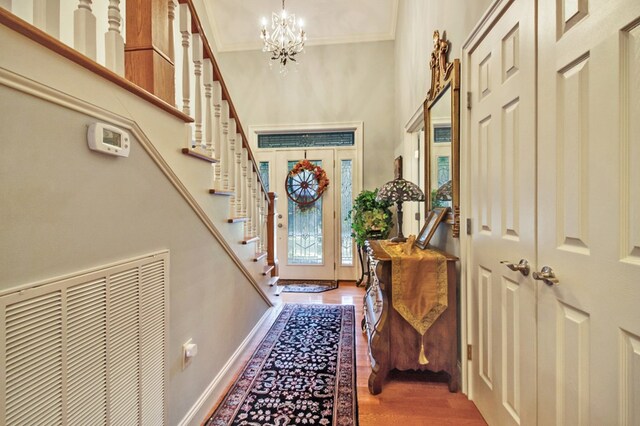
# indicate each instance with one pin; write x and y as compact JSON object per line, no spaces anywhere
{"x":370,"y":218}
{"x":435,"y":201}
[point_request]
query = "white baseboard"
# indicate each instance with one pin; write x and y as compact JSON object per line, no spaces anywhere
{"x":213,"y":392}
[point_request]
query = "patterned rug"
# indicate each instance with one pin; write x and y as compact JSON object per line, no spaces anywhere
{"x":307,"y":286}
{"x":303,"y":373}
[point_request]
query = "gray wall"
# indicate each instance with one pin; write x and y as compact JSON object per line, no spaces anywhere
{"x":337,"y":83}
{"x":59,"y":210}
{"x":417,"y":20}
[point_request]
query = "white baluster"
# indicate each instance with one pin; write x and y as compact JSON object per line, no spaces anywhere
{"x":242,"y":208}
{"x":46,"y":16}
{"x":255,"y":202}
{"x":231,"y":163}
{"x":240,"y":187}
{"x":185,"y":31}
{"x":114,"y":43}
{"x":197,"y":71}
{"x":263,"y":221}
{"x":84,"y":24}
{"x":171,"y":6}
{"x":208,"y":113}
{"x":226,"y":155}
{"x":218,"y":152}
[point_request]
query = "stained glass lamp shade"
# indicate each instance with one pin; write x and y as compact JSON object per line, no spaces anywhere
{"x":398,"y":191}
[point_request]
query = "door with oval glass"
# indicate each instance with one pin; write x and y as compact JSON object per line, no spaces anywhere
{"x":305,"y":235}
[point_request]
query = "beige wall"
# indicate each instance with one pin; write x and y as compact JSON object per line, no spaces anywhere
{"x":337,"y":83}
{"x":64,"y":208}
{"x":417,"y":20}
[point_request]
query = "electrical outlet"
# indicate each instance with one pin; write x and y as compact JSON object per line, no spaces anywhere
{"x":189,"y":350}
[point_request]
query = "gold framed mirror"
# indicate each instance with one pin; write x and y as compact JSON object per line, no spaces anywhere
{"x":442,"y":134}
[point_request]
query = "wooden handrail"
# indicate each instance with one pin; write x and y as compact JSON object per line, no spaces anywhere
{"x":13,"y":22}
{"x":217,"y":75}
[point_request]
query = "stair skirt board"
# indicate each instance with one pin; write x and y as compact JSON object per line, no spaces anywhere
{"x":204,"y":406}
{"x":73,"y":336}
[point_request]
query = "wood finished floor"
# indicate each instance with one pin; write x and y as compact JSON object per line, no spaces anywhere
{"x":406,"y":399}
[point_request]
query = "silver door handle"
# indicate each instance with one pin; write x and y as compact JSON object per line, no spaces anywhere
{"x":547,"y":275}
{"x":522,"y":267}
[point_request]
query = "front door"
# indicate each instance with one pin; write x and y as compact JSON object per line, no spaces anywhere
{"x":589,"y":204}
{"x":501,"y":155}
{"x":305,"y":235}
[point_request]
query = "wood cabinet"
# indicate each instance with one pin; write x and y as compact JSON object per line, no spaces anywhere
{"x":393,"y":342}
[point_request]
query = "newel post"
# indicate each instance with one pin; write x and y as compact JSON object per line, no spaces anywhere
{"x":148,"y":52}
{"x":272,"y":256}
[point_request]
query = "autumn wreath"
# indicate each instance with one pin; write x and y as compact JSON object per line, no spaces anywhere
{"x":306,"y":183}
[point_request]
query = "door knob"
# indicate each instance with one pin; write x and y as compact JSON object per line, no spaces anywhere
{"x":279,"y":225}
{"x":546,"y":274}
{"x":522,"y":267}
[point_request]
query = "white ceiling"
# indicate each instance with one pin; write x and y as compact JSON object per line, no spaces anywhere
{"x":236,"y":23}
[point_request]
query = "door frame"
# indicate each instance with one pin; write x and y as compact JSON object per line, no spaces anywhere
{"x":357,"y":127}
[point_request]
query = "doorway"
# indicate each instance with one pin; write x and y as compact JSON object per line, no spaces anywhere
{"x":313,"y":241}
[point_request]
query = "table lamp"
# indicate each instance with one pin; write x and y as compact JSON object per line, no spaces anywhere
{"x":398,"y":191}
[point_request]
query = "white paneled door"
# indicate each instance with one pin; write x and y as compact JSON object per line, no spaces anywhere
{"x":589,"y":212}
{"x":553,"y":156}
{"x":501,"y":152}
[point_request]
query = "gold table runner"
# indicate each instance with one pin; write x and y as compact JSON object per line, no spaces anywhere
{"x":419,"y":282}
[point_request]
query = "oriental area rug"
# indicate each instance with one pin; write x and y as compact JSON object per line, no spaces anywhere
{"x":302,"y":373}
{"x":307,"y":286}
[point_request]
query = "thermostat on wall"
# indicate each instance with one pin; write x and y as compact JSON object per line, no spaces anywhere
{"x":108,"y":139}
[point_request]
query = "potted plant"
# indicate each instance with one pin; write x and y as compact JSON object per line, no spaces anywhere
{"x":370,"y":219}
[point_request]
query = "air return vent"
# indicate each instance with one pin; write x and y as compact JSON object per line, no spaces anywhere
{"x":90,"y":349}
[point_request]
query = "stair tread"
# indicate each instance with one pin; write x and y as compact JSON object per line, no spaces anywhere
{"x":260,"y":256}
{"x":237,"y":219}
{"x":197,"y":154}
{"x":248,"y":240}
{"x":267,"y":269}
{"x":221,"y":192}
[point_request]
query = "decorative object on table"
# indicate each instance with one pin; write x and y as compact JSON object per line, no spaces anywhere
{"x":399,"y":191}
{"x":434,"y":218}
{"x":442,"y":133}
{"x":307,"y":286}
{"x":286,"y":38}
{"x":304,"y":368}
{"x":370,"y":220}
{"x":305,"y":183}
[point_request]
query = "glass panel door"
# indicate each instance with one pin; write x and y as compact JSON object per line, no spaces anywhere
{"x":305,"y":234}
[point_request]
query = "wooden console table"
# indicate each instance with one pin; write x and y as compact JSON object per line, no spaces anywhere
{"x":393,"y":342}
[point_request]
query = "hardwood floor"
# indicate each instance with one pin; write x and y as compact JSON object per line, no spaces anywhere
{"x":407,"y":399}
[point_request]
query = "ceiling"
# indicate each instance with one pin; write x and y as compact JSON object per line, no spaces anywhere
{"x":236,"y":23}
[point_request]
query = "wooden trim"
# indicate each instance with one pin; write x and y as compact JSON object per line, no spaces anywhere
{"x":221,"y":192}
{"x":201,"y":156}
{"x":33,"y":33}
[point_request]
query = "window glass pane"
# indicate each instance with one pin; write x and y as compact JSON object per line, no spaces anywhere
{"x":346,"y":202}
{"x":264,"y":174}
{"x":304,"y":140}
{"x":304,"y":230}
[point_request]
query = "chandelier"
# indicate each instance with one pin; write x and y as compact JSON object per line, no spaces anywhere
{"x":286,"y":38}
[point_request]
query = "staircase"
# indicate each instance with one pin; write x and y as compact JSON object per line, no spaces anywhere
{"x":173,"y":69}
